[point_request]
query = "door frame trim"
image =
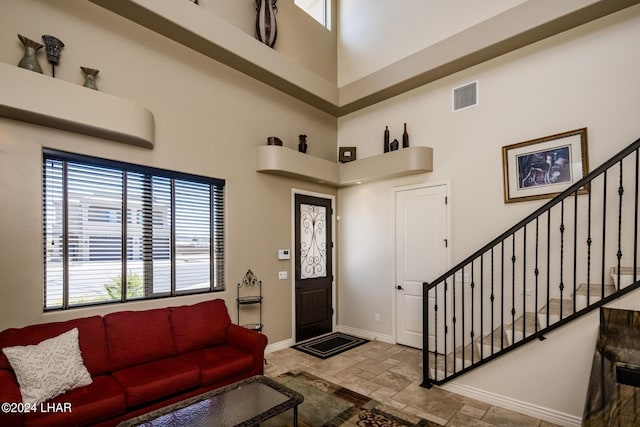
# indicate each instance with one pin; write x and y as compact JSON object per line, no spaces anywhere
{"x":396,"y":190}
{"x":292,"y":281}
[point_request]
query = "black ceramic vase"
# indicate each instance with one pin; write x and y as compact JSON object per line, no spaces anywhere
{"x":266,"y":28}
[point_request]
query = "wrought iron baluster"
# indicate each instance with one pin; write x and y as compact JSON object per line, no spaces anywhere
{"x":524,"y":282}
{"x":536,"y":272}
{"x":472,"y":312}
{"x":493,"y":299}
{"x":561,"y":286}
{"x":604,"y":231}
{"x":462,"y":336}
{"x":548,"y":264}
{"x":619,"y":252}
{"x":513,"y":288}
{"x":481,"y":299}
{"x":446,"y":327}
{"x":502,"y":295}
{"x":589,"y":241}
{"x":575,"y":247}
{"x":454,"y":319}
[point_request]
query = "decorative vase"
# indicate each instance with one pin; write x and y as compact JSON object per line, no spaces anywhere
{"x":405,"y":137}
{"x":266,"y":28}
{"x":302,"y":145}
{"x":90,"y":77}
{"x":29,"y":61}
{"x":386,"y":139}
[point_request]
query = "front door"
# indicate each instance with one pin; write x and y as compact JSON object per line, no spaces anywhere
{"x":313,"y":270}
{"x":421,"y":256}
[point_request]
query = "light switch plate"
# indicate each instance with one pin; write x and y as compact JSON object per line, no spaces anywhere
{"x":282,"y":275}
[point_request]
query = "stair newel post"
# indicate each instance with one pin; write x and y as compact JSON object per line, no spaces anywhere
{"x":426,"y":380}
{"x":635,"y":218}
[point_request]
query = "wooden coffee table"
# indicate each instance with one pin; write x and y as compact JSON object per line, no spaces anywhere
{"x":244,"y":403}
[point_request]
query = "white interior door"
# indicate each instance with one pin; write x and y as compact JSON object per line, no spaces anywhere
{"x":421,"y":256}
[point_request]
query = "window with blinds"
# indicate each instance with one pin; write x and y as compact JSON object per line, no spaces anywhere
{"x":117,"y":232}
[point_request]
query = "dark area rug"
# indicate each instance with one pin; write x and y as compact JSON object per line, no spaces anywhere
{"x":330,"y":405}
{"x":330,"y":345}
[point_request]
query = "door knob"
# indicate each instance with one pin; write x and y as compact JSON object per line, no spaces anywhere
{"x":400,"y":288}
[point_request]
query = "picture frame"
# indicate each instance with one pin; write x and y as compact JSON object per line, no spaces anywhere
{"x":347,"y":154}
{"x":541,"y":168}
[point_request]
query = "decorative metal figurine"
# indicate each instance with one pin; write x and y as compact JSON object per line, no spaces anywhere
{"x":53,"y":46}
{"x":302,"y":145}
{"x":90,"y":75}
{"x":29,"y":61}
{"x":266,"y":27}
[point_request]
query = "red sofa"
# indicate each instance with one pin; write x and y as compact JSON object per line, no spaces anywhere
{"x":139,"y":361}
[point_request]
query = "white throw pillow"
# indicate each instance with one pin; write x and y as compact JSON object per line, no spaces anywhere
{"x":50,"y":368}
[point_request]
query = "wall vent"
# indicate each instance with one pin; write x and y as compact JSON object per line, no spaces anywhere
{"x":465,"y":96}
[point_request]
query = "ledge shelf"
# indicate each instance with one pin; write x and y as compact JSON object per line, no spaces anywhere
{"x":36,"y":98}
{"x":283,"y":161}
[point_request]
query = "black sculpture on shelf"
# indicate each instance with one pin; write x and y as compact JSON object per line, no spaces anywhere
{"x":302,"y":145}
{"x":266,"y":26}
{"x":394,"y":145}
{"x":53,"y":47}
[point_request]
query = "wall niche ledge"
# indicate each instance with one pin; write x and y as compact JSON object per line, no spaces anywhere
{"x":43,"y":100}
{"x":273,"y":159}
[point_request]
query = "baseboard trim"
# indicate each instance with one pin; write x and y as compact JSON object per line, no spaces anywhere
{"x":368,"y":335}
{"x":519,"y":406}
{"x":281,"y":345}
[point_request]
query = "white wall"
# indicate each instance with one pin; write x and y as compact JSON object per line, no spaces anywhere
{"x":583,"y":77}
{"x":374,"y":34}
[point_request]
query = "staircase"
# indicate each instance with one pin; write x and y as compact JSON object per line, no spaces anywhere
{"x":574,"y":254}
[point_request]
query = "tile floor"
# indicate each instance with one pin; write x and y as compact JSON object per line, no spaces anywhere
{"x":392,"y":374}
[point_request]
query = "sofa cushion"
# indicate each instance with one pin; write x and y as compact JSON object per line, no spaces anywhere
{"x":101,"y":400}
{"x":136,"y":337}
{"x":219,"y":363}
{"x":153,"y":380}
{"x":199,"y":325}
{"x":48,"y":369}
{"x":91,"y":334}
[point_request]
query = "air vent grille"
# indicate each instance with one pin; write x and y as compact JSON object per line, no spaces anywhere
{"x":465,"y":96}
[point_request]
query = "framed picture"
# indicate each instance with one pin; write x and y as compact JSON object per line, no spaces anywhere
{"x":544,"y":167}
{"x":347,"y":154}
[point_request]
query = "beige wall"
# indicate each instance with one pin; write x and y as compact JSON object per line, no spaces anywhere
{"x":373,"y":35}
{"x":209,"y":119}
{"x":583,"y":77}
{"x":300,"y":37}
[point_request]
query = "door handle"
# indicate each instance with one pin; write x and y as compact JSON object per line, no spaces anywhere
{"x":400,"y":288}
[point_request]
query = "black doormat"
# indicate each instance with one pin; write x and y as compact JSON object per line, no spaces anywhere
{"x":330,"y":345}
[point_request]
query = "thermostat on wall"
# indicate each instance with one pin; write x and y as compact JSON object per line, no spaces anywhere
{"x":284,"y":254}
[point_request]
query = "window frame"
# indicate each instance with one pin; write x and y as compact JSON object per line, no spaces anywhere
{"x":216,"y":227}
